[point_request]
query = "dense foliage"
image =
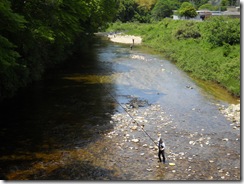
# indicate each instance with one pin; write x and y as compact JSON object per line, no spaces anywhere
{"x":164,"y":8}
{"x":37,"y":34}
{"x":187,"y":10}
{"x":145,"y":11}
{"x":208,"y":50}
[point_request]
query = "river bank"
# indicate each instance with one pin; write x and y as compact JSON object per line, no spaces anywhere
{"x":191,"y":46}
{"x":231,"y":112}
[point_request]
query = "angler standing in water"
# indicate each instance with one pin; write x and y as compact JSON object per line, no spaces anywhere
{"x":131,"y":46}
{"x":161,"y":147}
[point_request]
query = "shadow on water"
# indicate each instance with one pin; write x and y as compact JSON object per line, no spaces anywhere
{"x":73,"y":170}
{"x":68,"y":110}
{"x":56,"y":112}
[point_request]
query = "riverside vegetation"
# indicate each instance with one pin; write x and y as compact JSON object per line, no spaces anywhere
{"x":207,"y":50}
{"x":37,"y":35}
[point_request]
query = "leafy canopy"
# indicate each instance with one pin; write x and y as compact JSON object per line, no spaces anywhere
{"x":187,"y":10}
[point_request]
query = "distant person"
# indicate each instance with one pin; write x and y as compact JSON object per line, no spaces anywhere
{"x":131,"y":46}
{"x":161,"y":147}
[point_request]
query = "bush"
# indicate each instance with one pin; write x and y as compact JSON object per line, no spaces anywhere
{"x":189,"y":30}
{"x":221,"y":30}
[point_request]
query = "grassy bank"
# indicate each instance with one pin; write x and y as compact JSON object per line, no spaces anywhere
{"x":208,"y":50}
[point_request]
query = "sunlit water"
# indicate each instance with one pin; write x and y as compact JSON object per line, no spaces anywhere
{"x":72,"y":124}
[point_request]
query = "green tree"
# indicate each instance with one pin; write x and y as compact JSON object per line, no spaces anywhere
{"x":223,"y":30}
{"x":147,"y":4}
{"x":198,"y":3}
{"x":208,"y":7}
{"x":133,"y":10}
{"x":187,"y":10}
{"x":9,"y":66}
{"x":37,"y":34}
{"x":163,"y":9}
{"x":126,"y":10}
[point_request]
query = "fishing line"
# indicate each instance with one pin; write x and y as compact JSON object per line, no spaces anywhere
{"x":127,"y":112}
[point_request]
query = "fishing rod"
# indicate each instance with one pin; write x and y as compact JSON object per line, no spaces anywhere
{"x":127,"y":113}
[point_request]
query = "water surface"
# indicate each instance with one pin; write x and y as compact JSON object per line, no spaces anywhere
{"x":72,"y":125}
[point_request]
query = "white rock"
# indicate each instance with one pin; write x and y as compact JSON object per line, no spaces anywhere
{"x":135,"y":140}
{"x":134,"y":128}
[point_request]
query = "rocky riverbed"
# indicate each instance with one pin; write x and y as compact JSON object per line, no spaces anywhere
{"x":129,"y":152}
{"x":190,"y":155}
{"x":232,"y":113}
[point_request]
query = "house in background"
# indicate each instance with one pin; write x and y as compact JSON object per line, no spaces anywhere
{"x":233,"y":12}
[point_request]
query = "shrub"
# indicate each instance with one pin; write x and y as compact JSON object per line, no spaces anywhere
{"x":189,"y":30}
{"x":221,"y":30}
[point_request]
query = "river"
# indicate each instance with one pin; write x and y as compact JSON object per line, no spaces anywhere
{"x":76,"y":123}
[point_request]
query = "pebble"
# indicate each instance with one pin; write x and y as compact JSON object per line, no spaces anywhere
{"x":135,"y":140}
{"x":134,"y":128}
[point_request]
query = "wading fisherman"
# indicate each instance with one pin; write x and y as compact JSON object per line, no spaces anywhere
{"x":161,"y":147}
{"x":131,"y":46}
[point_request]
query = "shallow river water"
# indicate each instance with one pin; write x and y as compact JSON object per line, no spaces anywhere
{"x":76,"y":123}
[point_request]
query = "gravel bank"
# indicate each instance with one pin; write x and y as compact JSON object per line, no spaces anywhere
{"x":232,"y":113}
{"x":127,"y":39}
